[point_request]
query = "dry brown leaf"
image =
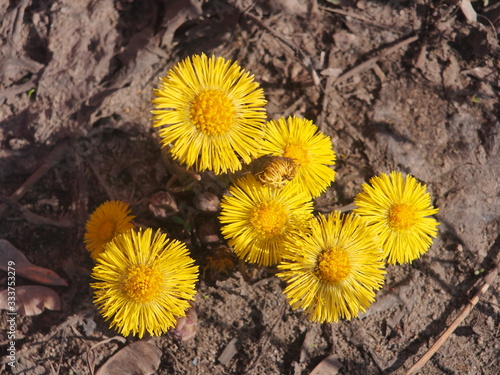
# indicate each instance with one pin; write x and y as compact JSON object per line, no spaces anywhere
{"x":24,"y":268}
{"x":329,"y":366}
{"x":228,"y":353}
{"x":31,"y":299}
{"x":139,"y":358}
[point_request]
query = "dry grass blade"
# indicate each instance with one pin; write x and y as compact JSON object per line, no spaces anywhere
{"x":33,"y":218}
{"x":360,"y":18}
{"x":488,"y":280}
{"x":370,"y":62}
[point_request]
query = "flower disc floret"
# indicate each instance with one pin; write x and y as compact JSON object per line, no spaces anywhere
{"x":142,"y":283}
{"x":334,"y":265}
{"x":269,"y":218}
{"x":212,"y":112}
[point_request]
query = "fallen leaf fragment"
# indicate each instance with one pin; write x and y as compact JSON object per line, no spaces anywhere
{"x":329,"y":366}
{"x":24,"y":268}
{"x":228,"y":353}
{"x":30,"y":300}
{"x":138,"y":358}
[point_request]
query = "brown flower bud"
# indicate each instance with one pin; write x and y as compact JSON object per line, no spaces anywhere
{"x":274,"y":171}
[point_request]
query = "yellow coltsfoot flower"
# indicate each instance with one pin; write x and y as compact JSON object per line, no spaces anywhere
{"x":312,"y":151}
{"x":144,"y":282}
{"x":398,"y":208}
{"x":211,"y":113}
{"x":257,"y":219}
{"x":107,"y":221}
{"x":334,"y":272}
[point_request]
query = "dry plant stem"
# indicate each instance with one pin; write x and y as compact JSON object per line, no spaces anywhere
{"x":360,"y":18}
{"x":370,"y":62}
{"x":32,"y":217}
{"x":243,"y":270}
{"x":488,"y":280}
{"x":55,"y":155}
{"x":102,"y":182}
{"x":265,"y":339}
{"x":63,"y":344}
{"x":347,"y":207}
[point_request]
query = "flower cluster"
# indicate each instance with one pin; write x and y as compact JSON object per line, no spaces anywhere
{"x":210,"y":115}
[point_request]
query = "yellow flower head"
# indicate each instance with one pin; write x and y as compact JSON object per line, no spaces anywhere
{"x":300,"y":140}
{"x":211,"y":112}
{"x":107,"y":221}
{"x":144,"y":281}
{"x":397,"y":209}
{"x":257,"y":219}
{"x":334,"y":272}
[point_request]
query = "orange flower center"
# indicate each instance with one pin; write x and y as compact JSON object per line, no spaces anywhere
{"x":212,"y":112}
{"x":334,"y":265}
{"x":106,"y":231}
{"x":402,"y":217}
{"x":269,"y":218}
{"x":142,"y":284}
{"x":297,"y":151}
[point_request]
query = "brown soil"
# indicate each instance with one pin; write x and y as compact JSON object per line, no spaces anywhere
{"x":77,"y":80}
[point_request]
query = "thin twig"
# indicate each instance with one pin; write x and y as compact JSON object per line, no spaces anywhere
{"x":32,"y":217}
{"x":370,"y":62}
{"x":265,"y":339}
{"x":102,"y":182}
{"x":345,"y":208}
{"x":488,"y":280}
{"x":360,"y":18}
{"x":63,"y":344}
{"x":55,"y":156}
